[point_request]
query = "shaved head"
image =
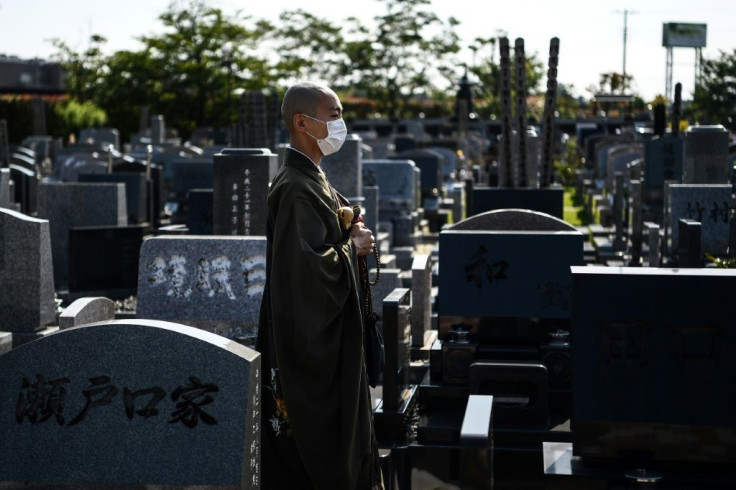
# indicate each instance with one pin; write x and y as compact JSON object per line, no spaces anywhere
{"x":305,"y":98}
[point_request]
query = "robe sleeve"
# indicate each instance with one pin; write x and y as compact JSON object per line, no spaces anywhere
{"x":311,"y":284}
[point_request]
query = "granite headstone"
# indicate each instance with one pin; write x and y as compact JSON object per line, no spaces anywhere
{"x":214,"y":283}
{"x":421,"y":298}
{"x":240,"y":189}
{"x":513,"y":219}
{"x":131,"y":402}
{"x":706,"y":155}
{"x":709,"y":204}
{"x":69,"y":205}
{"x":26,"y":273}
{"x":507,"y":273}
{"x":344,"y":169}
{"x":87,"y":310}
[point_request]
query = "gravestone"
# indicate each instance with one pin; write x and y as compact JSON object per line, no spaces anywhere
{"x":155,"y":178}
{"x":396,"y":180}
{"x":344,"y":169}
{"x":513,"y":219}
{"x":87,"y":310}
{"x":26,"y":273}
{"x":25,"y":183}
{"x":104,"y":259}
{"x":662,"y":161}
{"x":240,"y":191}
{"x":421,"y":299}
{"x":136,"y":192}
{"x":706,"y":155}
{"x":213,"y":283}
{"x":102,"y":137}
{"x":708,"y":204}
{"x":73,"y":161}
{"x":636,"y":222}
{"x":389,"y":281}
{"x":507,"y":273}
{"x":619,"y":157}
{"x":5,"y":188}
{"x":131,"y":402}
{"x":652,"y":233}
{"x":430,"y":163}
{"x":449,"y":163}
{"x":688,"y":247}
{"x":396,"y":332}
{"x":547,"y":200}
{"x":200,"y":214}
{"x":371,"y":216}
{"x":190,"y":173}
{"x":69,"y":205}
{"x":664,"y":323}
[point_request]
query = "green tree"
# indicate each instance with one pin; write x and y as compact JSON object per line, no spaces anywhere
{"x":308,"y":47}
{"x":84,"y":69}
{"x":714,"y":98}
{"x":199,"y":61}
{"x":409,"y":51}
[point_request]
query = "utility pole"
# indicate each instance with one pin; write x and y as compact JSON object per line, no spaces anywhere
{"x":626,"y":33}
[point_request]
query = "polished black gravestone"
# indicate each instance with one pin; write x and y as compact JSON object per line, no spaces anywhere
{"x":134,"y":402}
{"x":653,"y":366}
{"x":104,"y":259}
{"x":507,"y":274}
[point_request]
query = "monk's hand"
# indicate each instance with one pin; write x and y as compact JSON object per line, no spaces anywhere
{"x":363,"y":239}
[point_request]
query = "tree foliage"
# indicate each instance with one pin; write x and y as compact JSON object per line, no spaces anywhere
{"x":714,"y":99}
{"x":400,"y":58}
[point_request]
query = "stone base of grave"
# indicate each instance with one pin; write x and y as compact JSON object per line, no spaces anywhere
{"x":395,"y":425}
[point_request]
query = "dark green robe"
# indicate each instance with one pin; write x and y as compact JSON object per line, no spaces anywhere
{"x":317,"y":427}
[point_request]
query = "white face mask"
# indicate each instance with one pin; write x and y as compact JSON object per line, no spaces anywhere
{"x":336,"y":133}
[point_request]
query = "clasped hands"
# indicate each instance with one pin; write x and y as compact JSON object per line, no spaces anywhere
{"x":363,"y":239}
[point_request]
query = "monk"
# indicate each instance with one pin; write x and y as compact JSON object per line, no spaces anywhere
{"x":317,"y":426}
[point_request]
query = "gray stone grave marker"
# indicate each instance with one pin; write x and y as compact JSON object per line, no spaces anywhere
{"x":430,"y":163}
{"x":4,"y":188}
{"x":344,"y":169}
{"x":513,"y":219}
{"x":131,"y":402}
{"x":421,"y":299}
{"x":240,"y":191}
{"x":87,"y":310}
{"x":210,"y":282}
{"x":370,"y":203}
{"x":652,"y":231}
{"x":101,"y":136}
{"x":26,"y":273}
{"x":396,"y":181}
{"x":662,"y":161}
{"x":706,"y":155}
{"x":707,"y":203}
{"x":136,"y":192}
{"x":619,"y":157}
{"x":69,"y":205}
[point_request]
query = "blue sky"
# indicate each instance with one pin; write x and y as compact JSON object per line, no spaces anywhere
{"x":591,"y":33}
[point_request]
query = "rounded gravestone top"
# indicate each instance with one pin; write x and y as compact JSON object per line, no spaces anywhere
{"x":706,"y":128}
{"x":513,"y":219}
{"x":245,"y":151}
